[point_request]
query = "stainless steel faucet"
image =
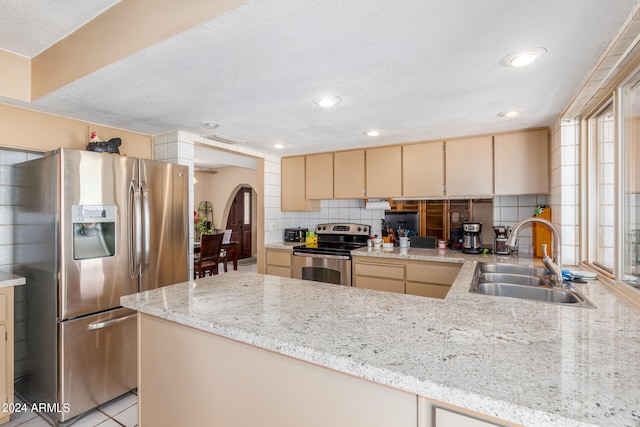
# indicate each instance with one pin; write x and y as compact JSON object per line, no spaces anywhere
{"x":555,"y":265}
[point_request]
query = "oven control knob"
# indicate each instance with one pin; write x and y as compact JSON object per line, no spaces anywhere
{"x":359,"y":228}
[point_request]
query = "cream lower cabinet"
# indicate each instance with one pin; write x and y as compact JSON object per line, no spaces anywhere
{"x":6,"y":351}
{"x":189,"y":377}
{"x":423,"y":278}
{"x":430,"y":279}
{"x":382,"y":276}
{"x":278,"y":262}
{"x":435,"y":414}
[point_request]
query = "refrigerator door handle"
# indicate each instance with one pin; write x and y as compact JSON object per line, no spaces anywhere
{"x":146,"y":220}
{"x":134,"y":231}
{"x":105,"y":324}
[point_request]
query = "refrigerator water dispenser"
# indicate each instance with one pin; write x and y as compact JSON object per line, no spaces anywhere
{"x":94,"y":231}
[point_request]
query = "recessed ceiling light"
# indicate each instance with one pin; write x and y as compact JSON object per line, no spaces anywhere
{"x":278,"y":146}
{"x":523,"y":57}
{"x":210,"y":125}
{"x":510,"y":114}
{"x":327,"y":101}
{"x":372,"y":132}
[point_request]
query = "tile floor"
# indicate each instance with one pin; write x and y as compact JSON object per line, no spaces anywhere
{"x":120,"y":412}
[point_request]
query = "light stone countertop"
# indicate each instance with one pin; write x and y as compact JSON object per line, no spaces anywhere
{"x":283,"y":245}
{"x":522,"y":361}
{"x":8,"y":279}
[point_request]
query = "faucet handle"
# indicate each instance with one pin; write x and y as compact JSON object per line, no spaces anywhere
{"x":544,"y":250}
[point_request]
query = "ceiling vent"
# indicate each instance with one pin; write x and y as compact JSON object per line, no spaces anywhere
{"x":223,"y":138}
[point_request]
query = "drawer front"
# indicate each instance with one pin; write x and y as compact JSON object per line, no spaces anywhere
{"x":277,"y":270}
{"x":389,"y":271}
{"x":281,"y":258}
{"x":432,"y":290}
{"x":380,"y":284}
{"x":433,"y":272}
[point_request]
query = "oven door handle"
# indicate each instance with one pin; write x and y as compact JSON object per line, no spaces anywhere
{"x":323,"y":256}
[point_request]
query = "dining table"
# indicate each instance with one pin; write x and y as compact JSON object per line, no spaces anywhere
{"x":233,"y":252}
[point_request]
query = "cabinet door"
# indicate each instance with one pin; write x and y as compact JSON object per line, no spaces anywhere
{"x":292,"y":186}
{"x":431,"y":279}
{"x":522,"y":163}
{"x":423,"y":169}
{"x":319,"y":176}
{"x":292,"y":189}
{"x":469,"y":166}
{"x":5,"y":359}
{"x":348,"y":174}
{"x":6,"y":350}
{"x":384,"y":172}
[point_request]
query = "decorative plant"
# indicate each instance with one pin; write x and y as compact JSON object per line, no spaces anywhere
{"x":203,"y":219}
{"x":200,"y":224}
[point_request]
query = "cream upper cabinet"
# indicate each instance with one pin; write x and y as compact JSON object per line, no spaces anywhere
{"x":469,"y":166}
{"x":348,"y":174}
{"x":319,"y":176}
{"x":384,"y":172}
{"x":423,"y":169}
{"x":292,"y":189}
{"x":521,"y":163}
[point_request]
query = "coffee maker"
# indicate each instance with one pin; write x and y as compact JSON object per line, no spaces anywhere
{"x":472,"y":237}
{"x":502,"y":234}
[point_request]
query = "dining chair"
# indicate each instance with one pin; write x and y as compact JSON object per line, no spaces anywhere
{"x":210,"y":255}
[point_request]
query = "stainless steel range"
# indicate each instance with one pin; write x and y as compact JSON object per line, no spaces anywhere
{"x":330,"y":259}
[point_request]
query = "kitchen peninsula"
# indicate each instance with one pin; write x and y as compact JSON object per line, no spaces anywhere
{"x":249,"y":349}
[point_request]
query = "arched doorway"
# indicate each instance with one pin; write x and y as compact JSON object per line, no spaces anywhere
{"x":240,"y":220}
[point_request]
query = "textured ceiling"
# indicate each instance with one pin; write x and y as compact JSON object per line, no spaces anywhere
{"x":415,"y":70}
{"x":31,"y":26}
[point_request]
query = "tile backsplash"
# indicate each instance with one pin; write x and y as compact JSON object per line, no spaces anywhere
{"x":347,"y":210}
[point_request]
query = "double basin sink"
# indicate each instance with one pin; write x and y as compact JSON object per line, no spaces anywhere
{"x":525,"y":282}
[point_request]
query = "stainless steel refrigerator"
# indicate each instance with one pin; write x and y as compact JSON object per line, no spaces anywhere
{"x":90,"y":228}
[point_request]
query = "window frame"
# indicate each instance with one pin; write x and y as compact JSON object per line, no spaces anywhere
{"x":618,"y":101}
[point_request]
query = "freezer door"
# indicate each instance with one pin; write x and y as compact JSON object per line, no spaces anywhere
{"x":97,"y":360}
{"x":164,"y":195}
{"x":95,"y":267}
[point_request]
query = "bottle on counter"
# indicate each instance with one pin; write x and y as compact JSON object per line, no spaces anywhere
{"x":392,"y":236}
